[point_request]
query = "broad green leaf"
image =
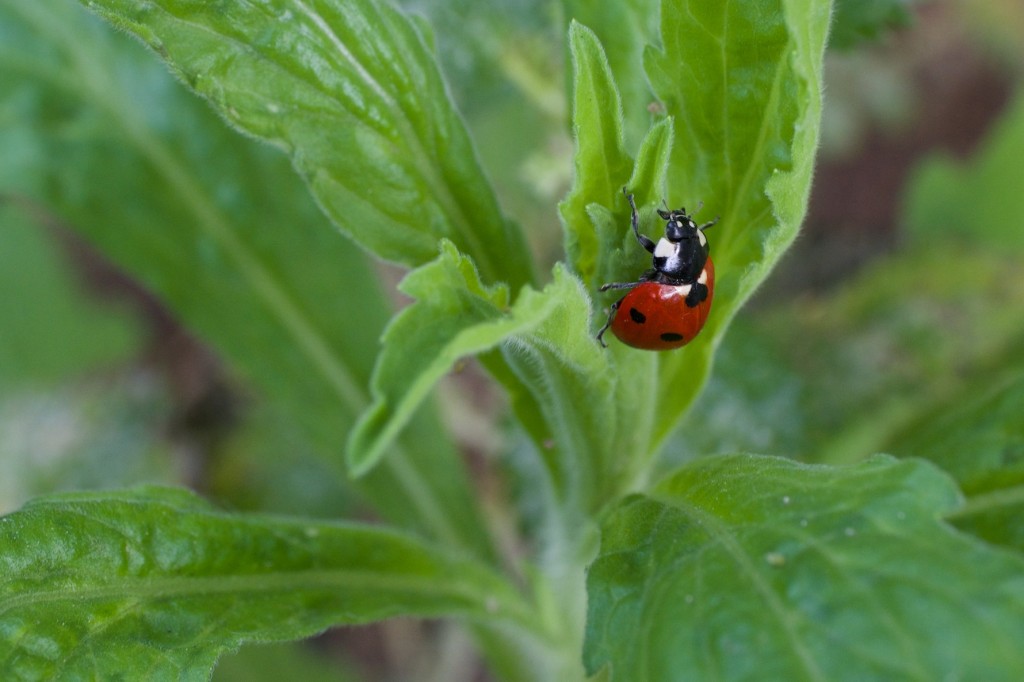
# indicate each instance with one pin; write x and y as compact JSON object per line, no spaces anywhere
{"x":755,"y":568}
{"x":980,"y":200}
{"x":351,"y":92}
{"x":601,"y":162}
{"x":504,"y":64}
{"x":743,"y":83}
{"x":224,"y":232}
{"x":155,"y":584}
{"x":859,"y":21}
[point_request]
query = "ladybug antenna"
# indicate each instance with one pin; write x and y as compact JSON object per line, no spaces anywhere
{"x":709,"y":224}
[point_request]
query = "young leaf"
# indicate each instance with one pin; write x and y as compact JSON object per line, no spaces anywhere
{"x":743,"y":82}
{"x":155,"y":584}
{"x":601,"y":162}
{"x":569,"y":381}
{"x":352,"y":93}
{"x":611,"y":432}
{"x":620,"y":257}
{"x":559,"y":380}
{"x":455,"y":315}
{"x":623,"y":28}
{"x":223,"y":231}
{"x":754,"y":568}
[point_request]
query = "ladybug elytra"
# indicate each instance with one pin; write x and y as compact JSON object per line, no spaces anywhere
{"x":668,"y":306}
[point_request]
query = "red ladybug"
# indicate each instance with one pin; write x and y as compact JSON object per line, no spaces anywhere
{"x":668,"y":306}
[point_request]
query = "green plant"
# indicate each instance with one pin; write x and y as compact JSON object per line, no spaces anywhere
{"x":730,"y":567}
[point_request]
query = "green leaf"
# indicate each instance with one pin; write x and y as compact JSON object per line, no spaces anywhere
{"x":224,"y":232}
{"x":602,"y":423}
{"x":752,"y":568}
{"x":63,"y":330}
{"x":978,"y":437}
{"x":623,"y":28}
{"x":559,"y":380}
{"x":743,"y":83}
{"x":860,"y":21}
{"x":601,"y":162}
{"x":455,"y":315}
{"x":138,"y":584}
{"x":980,"y":200}
{"x":570,"y":384}
{"x":351,"y":92}
{"x":543,"y":340}
{"x":974,"y":430}
{"x":620,"y":257}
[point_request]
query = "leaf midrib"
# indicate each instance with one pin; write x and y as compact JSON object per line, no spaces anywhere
{"x":339,"y":581}
{"x":720,"y":533}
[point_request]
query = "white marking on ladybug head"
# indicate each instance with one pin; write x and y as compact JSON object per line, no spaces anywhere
{"x":665,"y":249}
{"x":703,"y":279}
{"x":702,"y":238}
{"x":669,"y":251}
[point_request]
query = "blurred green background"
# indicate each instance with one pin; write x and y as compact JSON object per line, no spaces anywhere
{"x":895,"y":324}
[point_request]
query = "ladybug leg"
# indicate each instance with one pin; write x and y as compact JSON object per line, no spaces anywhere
{"x":634,"y":218}
{"x":646,"y":277}
{"x":608,"y":322}
{"x":618,"y":285}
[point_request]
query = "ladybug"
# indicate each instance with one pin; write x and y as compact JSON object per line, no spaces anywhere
{"x":668,"y":306}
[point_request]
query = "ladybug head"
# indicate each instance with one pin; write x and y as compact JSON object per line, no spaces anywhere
{"x":678,"y":225}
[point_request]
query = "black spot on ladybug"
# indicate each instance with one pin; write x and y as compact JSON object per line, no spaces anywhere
{"x":671,"y":337}
{"x":637,"y":316}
